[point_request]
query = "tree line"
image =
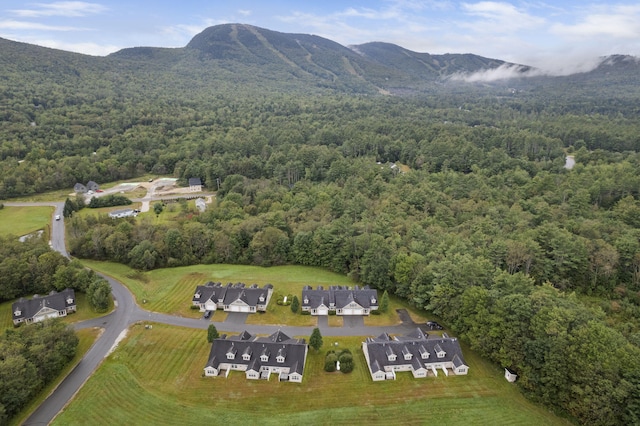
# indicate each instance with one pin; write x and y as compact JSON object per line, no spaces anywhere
{"x":30,"y":358}
{"x":31,"y":267}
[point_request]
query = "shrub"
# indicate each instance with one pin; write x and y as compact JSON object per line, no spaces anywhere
{"x":346,"y":362}
{"x":330,"y":362}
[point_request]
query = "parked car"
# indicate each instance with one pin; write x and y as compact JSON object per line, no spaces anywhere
{"x":207,"y":314}
{"x":57,"y":217}
{"x":434,"y":325}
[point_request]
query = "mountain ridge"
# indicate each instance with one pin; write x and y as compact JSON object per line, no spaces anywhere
{"x":254,"y":58}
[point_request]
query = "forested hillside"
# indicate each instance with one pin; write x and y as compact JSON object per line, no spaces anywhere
{"x":452,"y":195}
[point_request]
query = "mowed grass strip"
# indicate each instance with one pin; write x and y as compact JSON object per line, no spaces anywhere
{"x":20,"y":221}
{"x":155,"y":377}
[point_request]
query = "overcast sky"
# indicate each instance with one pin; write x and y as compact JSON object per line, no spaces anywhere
{"x":553,"y":35}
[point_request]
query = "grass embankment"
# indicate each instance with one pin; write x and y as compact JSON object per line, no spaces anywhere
{"x":20,"y":221}
{"x":155,"y":377}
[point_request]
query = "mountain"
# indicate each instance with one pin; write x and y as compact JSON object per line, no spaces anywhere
{"x":238,"y":57}
{"x":315,"y":61}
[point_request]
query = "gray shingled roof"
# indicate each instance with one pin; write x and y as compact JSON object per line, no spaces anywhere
{"x":341,"y":296}
{"x":229,"y":293}
{"x":30,"y":307}
{"x":294,"y":351}
{"x":414,"y":343}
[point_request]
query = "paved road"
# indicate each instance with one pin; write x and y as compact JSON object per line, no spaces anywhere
{"x":127,"y":312}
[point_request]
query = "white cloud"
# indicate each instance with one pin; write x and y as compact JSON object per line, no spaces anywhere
{"x":498,"y":17}
{"x":62,"y":8}
{"x":182,"y":33}
{"x":503,"y":72}
{"x":621,"y":21}
{"x":87,"y":48}
{"x":26,"y":25}
{"x":244,"y":12}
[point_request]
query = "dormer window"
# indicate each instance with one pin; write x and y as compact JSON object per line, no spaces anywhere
{"x":439,"y":352}
{"x":281,"y":355}
{"x":424,"y":353}
{"x":246,"y":357}
{"x":17,"y":312}
{"x":264,"y":358}
{"x":407,"y":355}
{"x":373,"y":300}
{"x":69,"y":301}
{"x":306,"y":300}
{"x":232,"y":353}
{"x":280,"y":359}
{"x":261,"y":298}
{"x":391,"y":356}
{"x":196,"y":296}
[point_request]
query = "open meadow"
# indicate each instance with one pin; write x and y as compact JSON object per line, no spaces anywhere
{"x":170,"y":290}
{"x":20,"y":221}
{"x":155,"y":377}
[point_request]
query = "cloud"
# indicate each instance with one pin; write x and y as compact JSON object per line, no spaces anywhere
{"x":621,"y":21}
{"x":62,"y":8}
{"x":26,"y":25}
{"x":243,"y":12}
{"x":503,"y":72}
{"x":87,"y":48}
{"x":498,"y":17}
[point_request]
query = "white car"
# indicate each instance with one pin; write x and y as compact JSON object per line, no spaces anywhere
{"x":57,"y":217}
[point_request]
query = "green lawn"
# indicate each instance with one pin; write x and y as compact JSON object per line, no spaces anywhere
{"x":155,"y":377}
{"x":170,"y":290}
{"x":24,"y":220}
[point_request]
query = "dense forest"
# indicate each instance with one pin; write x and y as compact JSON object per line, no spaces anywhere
{"x":455,"y":197}
{"x":31,"y":357}
{"x":31,"y":267}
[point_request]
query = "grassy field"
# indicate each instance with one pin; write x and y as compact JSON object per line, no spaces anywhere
{"x":155,"y":377}
{"x":86,"y":337}
{"x":170,"y":290}
{"x":24,"y":220}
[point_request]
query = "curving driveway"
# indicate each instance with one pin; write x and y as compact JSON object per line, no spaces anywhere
{"x":127,"y":312}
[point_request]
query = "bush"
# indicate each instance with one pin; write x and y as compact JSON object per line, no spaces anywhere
{"x":346,"y":361}
{"x":305,"y":313}
{"x":330,"y":362}
{"x":109,"y":201}
{"x":194,"y":307}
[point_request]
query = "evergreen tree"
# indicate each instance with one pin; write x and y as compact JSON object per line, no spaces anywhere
{"x":315,"y":341}
{"x":384,"y":302}
{"x":212,"y":333}
{"x":295,"y":304}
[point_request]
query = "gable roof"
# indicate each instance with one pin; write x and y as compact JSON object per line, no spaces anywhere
{"x":78,"y":187}
{"x":294,"y":351}
{"x":232,"y":294}
{"x":194,"y":181}
{"x":28,"y":308}
{"x":340,"y":296}
{"x":416,"y":344}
